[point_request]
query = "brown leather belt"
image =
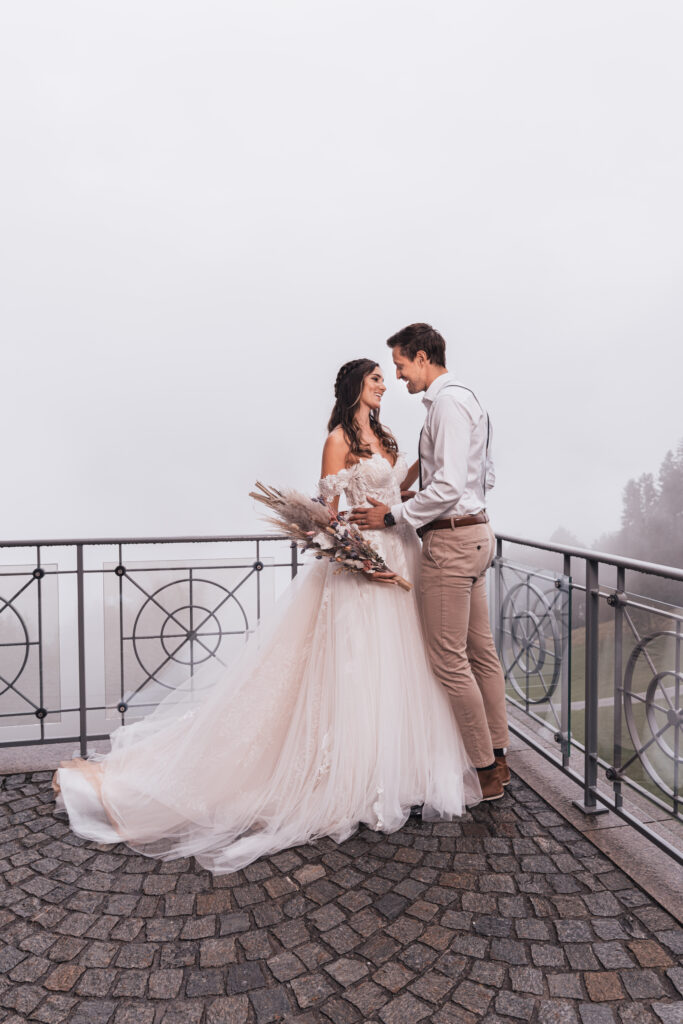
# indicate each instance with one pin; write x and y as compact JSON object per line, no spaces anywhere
{"x":453,"y":523}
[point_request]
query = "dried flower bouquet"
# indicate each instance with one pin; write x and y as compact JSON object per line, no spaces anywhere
{"x":314,"y":524}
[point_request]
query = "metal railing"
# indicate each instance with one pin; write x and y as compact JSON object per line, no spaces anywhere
{"x":592,"y":654}
{"x":95,"y":632}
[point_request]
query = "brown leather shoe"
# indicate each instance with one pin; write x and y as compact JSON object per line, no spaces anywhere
{"x":491,"y":784}
{"x":504,"y":770}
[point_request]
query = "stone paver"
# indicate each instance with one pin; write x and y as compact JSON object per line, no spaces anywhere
{"x":507,"y":914}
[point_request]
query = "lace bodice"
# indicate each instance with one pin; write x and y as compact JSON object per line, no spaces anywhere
{"x":374,"y":476}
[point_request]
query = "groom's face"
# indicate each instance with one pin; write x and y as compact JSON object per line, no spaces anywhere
{"x":413,"y":371}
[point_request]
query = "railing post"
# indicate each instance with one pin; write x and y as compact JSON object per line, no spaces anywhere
{"x":82,"y":699}
{"x":498,"y":603}
{"x":589,"y":803}
{"x":566,"y":677}
{"x":618,"y":684}
{"x":677,"y":735}
{"x":294,"y":559}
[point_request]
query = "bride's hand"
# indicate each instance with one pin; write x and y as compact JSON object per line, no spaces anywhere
{"x":382,"y":577}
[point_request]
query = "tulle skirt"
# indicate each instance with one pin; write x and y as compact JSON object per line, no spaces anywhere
{"x":330,"y":717}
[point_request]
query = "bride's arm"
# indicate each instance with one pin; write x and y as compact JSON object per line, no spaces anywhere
{"x":335,"y":452}
{"x":411,"y":476}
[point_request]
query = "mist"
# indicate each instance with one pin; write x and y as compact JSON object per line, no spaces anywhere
{"x":208,"y":207}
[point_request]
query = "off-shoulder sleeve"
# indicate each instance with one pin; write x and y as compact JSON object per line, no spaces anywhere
{"x":333,"y":484}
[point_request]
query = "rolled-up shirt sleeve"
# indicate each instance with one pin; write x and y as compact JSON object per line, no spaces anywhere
{"x":450,"y":430}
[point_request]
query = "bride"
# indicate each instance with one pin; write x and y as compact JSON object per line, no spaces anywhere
{"x":330,"y":717}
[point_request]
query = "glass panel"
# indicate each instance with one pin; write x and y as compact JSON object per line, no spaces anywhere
{"x":650,"y":752}
{"x":534,"y":624}
{"x":29,"y":648}
{"x":165,"y":620}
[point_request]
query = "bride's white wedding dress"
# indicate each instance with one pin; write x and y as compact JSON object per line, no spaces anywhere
{"x":330,"y":717}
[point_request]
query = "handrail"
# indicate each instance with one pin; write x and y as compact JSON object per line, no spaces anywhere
{"x":668,"y":571}
{"x":209,"y":539}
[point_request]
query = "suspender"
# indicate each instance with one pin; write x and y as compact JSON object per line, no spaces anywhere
{"x":488,"y":434}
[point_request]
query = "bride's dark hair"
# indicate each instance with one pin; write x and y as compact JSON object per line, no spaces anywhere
{"x":348,"y":388}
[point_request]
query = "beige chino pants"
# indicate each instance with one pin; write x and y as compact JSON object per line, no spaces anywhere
{"x":458,"y":634}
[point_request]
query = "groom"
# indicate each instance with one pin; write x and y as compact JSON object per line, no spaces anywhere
{"x":449,"y":513}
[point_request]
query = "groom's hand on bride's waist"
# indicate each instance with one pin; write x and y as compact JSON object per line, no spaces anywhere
{"x":370,"y":518}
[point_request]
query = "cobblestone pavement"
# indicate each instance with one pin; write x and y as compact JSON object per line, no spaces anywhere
{"x":508,"y":914}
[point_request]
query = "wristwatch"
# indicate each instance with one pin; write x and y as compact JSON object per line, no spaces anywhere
{"x":389,"y":519}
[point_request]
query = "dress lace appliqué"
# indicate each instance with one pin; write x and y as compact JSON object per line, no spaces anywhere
{"x":374,"y":477}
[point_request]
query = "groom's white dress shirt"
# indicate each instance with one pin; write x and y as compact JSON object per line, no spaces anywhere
{"x":457,"y":471}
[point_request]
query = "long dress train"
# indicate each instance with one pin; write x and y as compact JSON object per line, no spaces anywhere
{"x":330,"y":717}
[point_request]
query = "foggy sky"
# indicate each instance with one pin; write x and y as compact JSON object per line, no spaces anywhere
{"x":206,"y":208}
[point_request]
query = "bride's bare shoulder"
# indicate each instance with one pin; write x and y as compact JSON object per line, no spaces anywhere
{"x":337,"y":440}
{"x":335,"y":452}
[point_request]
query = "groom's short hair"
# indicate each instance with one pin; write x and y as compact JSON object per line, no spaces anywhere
{"x":420,"y":338}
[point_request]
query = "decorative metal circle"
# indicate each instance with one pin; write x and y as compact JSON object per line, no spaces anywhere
{"x":122,"y":707}
{"x":40,"y":713}
{"x":120,"y":570}
{"x":183,"y":641}
{"x":210,"y":633}
{"x":661,"y":726}
{"x":532,"y":659}
{"x":21,"y":644}
{"x":525,"y":630}
{"x":258,"y":566}
{"x":38,"y":573}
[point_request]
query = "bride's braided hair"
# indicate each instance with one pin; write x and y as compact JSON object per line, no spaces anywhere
{"x":345,"y":370}
{"x":348,"y":388}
